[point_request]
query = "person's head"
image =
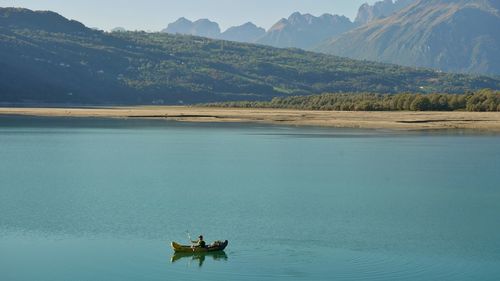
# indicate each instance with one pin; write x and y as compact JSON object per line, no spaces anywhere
{"x":201,"y":237}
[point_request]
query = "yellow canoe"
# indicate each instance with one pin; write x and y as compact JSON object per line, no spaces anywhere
{"x":217,"y":246}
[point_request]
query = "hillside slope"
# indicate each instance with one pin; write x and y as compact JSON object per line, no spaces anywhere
{"x":45,"y":58}
{"x":457,"y":36}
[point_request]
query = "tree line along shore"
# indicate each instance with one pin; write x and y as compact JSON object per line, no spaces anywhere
{"x":485,"y":100}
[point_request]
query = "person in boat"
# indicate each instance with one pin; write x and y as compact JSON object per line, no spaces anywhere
{"x":200,"y":243}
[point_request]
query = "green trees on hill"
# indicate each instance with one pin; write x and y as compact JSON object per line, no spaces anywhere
{"x":43,"y":62}
{"x":483,"y":100}
{"x":47,"y":59}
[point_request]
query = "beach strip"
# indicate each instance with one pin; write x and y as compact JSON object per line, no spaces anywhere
{"x":397,"y":120}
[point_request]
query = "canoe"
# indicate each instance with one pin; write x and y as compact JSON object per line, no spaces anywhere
{"x":217,"y":246}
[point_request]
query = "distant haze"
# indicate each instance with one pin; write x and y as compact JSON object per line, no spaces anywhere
{"x":154,"y":15}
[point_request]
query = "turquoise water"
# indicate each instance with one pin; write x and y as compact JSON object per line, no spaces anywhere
{"x":94,"y":199}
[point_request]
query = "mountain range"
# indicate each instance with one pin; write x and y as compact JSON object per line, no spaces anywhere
{"x":46,"y":58}
{"x":446,"y":35}
{"x":303,"y":31}
{"x":247,"y":32}
{"x":201,"y":27}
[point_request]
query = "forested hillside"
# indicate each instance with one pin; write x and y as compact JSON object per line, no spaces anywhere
{"x":45,"y":58}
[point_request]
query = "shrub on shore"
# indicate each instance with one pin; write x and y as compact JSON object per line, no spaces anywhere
{"x":483,"y":100}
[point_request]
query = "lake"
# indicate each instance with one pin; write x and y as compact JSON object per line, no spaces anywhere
{"x":101,"y":199}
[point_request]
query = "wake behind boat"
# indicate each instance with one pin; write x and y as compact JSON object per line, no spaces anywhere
{"x":215,"y":247}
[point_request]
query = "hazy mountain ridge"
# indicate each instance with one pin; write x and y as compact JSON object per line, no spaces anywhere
{"x":368,"y":13}
{"x":201,"y":27}
{"x":44,"y":64}
{"x":458,"y":35}
{"x":297,"y":31}
{"x":119,"y":29}
{"x":247,"y":32}
{"x":305,"y":31}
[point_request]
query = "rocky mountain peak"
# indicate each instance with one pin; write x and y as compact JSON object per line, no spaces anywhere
{"x":380,"y":9}
{"x":201,"y":27}
{"x":447,"y":35}
{"x":247,"y":32}
{"x":305,"y":30}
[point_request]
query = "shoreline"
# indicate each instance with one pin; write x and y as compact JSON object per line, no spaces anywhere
{"x":395,"y":120}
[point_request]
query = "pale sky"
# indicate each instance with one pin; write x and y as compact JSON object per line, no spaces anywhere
{"x":154,"y":15}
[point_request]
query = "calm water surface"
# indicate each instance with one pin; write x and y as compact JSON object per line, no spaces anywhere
{"x":93,"y":199}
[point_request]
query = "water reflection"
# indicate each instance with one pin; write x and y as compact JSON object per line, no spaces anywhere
{"x":199,"y":257}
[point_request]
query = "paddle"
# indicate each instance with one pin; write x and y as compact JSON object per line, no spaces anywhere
{"x":189,"y":237}
{"x":190,"y":240}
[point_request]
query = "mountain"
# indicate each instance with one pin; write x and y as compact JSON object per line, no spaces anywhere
{"x":368,"y":13}
{"x":118,"y":29}
{"x":247,"y":32}
{"x":205,"y":28}
{"x":40,"y":20}
{"x":180,"y":26}
{"x":298,"y":31}
{"x":305,"y":31}
{"x":457,"y":36}
{"x":45,"y":58}
{"x":201,"y":27}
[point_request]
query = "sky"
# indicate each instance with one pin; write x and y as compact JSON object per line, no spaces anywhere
{"x":154,"y":15}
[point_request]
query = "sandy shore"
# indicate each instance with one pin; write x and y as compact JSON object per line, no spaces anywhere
{"x":380,"y":120}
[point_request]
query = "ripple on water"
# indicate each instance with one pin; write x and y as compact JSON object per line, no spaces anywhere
{"x":336,"y":264}
{"x":378,"y":266}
